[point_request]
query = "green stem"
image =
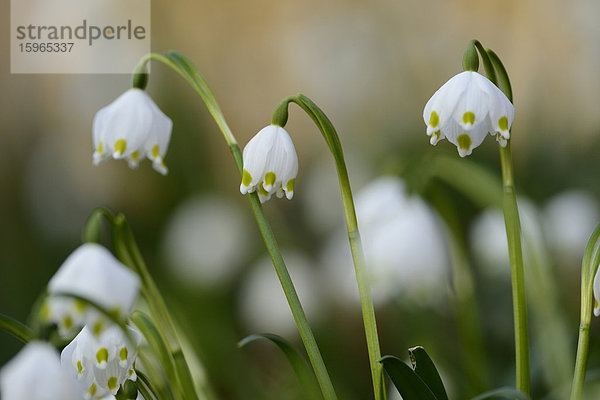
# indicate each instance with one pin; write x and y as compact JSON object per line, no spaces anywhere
{"x":191,"y":74}
{"x":513,"y":233}
{"x":588,"y":270}
{"x":16,"y":329}
{"x":583,"y":344}
{"x":364,"y":287}
{"x":492,"y":64}
{"x":288,"y":288}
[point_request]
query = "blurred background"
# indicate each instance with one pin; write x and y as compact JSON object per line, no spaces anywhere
{"x":438,"y":263}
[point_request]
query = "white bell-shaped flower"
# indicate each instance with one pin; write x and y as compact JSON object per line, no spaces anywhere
{"x":270,"y":164}
{"x":93,"y":273}
{"x":36,"y":374}
{"x":465,"y":109}
{"x":132,"y":127}
{"x":101,"y":363}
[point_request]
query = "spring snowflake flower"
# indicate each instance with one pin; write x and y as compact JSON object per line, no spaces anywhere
{"x":465,"y":109}
{"x":93,"y":273}
{"x":132,"y":127}
{"x":36,"y":373}
{"x":270,"y":164}
{"x":101,"y":363}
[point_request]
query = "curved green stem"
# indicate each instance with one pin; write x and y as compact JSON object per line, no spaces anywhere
{"x":364,"y":288}
{"x":588,"y":270}
{"x":191,"y":74}
{"x":16,"y":329}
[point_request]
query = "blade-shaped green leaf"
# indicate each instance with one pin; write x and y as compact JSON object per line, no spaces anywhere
{"x":502,"y":393}
{"x":426,"y":370}
{"x":303,"y":372}
{"x":406,"y":380}
{"x":15,"y":328}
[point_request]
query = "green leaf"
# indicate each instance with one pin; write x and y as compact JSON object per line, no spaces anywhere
{"x":406,"y":380}
{"x":303,"y":372}
{"x":503,"y":393}
{"x":426,"y":370}
{"x":15,"y":328}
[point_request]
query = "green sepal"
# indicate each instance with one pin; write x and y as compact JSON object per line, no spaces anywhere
{"x":502,"y":393}
{"x":426,"y":370}
{"x":140,"y":77}
{"x":470,"y":58}
{"x":280,"y":114}
{"x":127,"y":391}
{"x":301,"y":369}
{"x":409,"y":384}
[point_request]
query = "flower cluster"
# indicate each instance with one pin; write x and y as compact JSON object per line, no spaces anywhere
{"x":465,"y":109}
{"x":92,"y":273}
{"x":101,"y":358}
{"x":132,"y":127}
{"x":270,"y":164}
{"x":102,"y":363}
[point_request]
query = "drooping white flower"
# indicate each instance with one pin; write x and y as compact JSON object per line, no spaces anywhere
{"x":132,"y":127}
{"x":101,"y":363}
{"x":465,"y":109}
{"x":93,"y":273}
{"x":270,"y":164}
{"x":36,"y":374}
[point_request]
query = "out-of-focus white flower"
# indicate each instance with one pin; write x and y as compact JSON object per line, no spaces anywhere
{"x":101,"y":363}
{"x":270,"y":164}
{"x":262,"y":302}
{"x":206,"y":241}
{"x":132,"y":127}
{"x":465,"y":109}
{"x":36,"y":374}
{"x":92,"y":273}
{"x":489,"y":243}
{"x":403,"y":243}
{"x":570,"y":218}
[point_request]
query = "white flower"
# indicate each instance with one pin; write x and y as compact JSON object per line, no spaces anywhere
{"x":101,"y":363}
{"x":270,"y":164}
{"x":465,"y":109}
{"x":93,"y":273}
{"x":132,"y":127}
{"x":36,"y":374}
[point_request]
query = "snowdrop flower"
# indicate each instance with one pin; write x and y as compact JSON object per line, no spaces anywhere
{"x":404,"y":247}
{"x":132,"y":127}
{"x":101,"y":363}
{"x":93,"y":273}
{"x":465,"y":109}
{"x":270,"y":164}
{"x":36,"y":374}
